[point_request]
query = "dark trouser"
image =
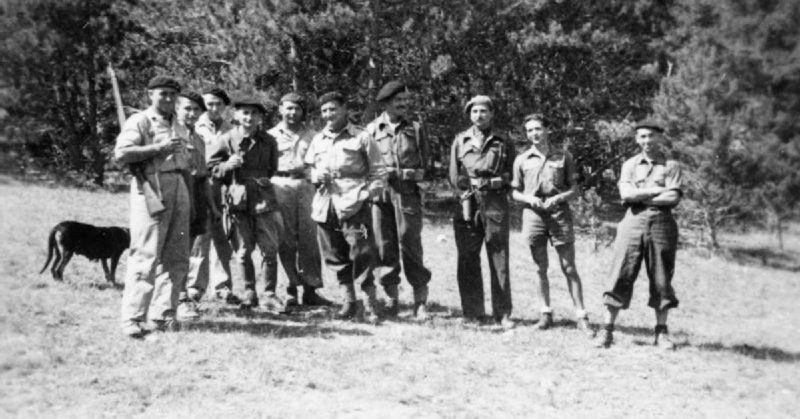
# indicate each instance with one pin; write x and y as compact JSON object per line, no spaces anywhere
{"x":650,"y":234}
{"x":490,"y":225}
{"x":347,"y":248}
{"x":263,"y":230}
{"x":398,"y":232}
{"x":298,"y":250}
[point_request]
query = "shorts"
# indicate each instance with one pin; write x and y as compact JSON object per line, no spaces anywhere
{"x":539,"y":225}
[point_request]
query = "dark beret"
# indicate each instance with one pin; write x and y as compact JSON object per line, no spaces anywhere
{"x":194,"y":97}
{"x":650,"y":124}
{"x":479,"y":100}
{"x":294,"y":97}
{"x":216,"y":91}
{"x":250,"y":101}
{"x":331,"y":97}
{"x":164,"y":82}
{"x":389,"y":90}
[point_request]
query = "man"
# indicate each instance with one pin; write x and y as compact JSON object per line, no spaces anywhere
{"x":347,"y":168}
{"x":210,"y":127}
{"x":481,"y":161}
{"x":159,"y":256}
{"x":189,"y":108}
{"x":298,"y":249}
{"x":397,"y":213}
{"x":650,"y":186}
{"x":246,"y":161}
{"x":545,"y":180}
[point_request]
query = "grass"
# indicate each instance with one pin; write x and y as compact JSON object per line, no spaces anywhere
{"x":61,"y":353}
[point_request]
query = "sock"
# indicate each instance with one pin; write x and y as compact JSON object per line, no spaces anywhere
{"x":661,"y":329}
{"x":546,"y":310}
{"x":608,"y":327}
{"x":580,"y":314}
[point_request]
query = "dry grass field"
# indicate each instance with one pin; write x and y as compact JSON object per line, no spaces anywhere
{"x":61,"y":353}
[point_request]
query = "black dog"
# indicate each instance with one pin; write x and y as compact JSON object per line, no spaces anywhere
{"x":71,"y":237}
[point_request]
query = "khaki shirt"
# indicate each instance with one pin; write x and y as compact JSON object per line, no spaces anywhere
{"x":356,"y":167}
{"x":211,"y":134}
{"x":292,"y":147}
{"x":260,"y":159}
{"x":149,"y":127}
{"x":404,"y":146}
{"x":544,"y":176}
{"x":640,"y":172}
{"x":471,"y":159}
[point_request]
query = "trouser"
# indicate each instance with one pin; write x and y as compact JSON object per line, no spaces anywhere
{"x":650,"y":234}
{"x":490,"y":225}
{"x":298,"y":250}
{"x":347,"y":248}
{"x":159,"y":254}
{"x":204,"y":265}
{"x":397,"y":224}
{"x":263,"y":230}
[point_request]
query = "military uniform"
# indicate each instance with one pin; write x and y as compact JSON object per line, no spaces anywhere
{"x":159,"y":255}
{"x":483,"y":171}
{"x":353,"y":162}
{"x":298,"y":249}
{"x":201,"y":263}
{"x":256,"y":220}
{"x":646,"y":232}
{"x":397,"y":212}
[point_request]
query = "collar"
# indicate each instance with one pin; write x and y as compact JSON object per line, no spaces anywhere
{"x":205,"y":121}
{"x":384,"y":122}
{"x":154,"y":115}
{"x":659,"y":159}
{"x":282,"y":128}
{"x":349,"y":129}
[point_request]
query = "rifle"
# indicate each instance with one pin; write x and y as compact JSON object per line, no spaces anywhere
{"x":152,"y":199}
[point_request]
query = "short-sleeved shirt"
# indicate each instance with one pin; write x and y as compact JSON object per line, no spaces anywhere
{"x":355,"y":163}
{"x":260,"y":159}
{"x":474,"y":156}
{"x":211,"y":133}
{"x":402,"y":145}
{"x":150,"y":127}
{"x":544,"y":176}
{"x":197,"y":147}
{"x":640,"y":172}
{"x":292,"y":147}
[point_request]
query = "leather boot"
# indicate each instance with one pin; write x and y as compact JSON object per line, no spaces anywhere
{"x":393,"y":305}
{"x":311,"y":298}
{"x":371,"y":314}
{"x":420,"y":303}
{"x":350,"y":308}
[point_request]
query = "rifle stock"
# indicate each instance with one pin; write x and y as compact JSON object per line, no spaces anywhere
{"x":151,"y":197}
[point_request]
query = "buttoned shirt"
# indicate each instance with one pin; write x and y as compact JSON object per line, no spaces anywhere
{"x":292,"y":147}
{"x":544,"y":175}
{"x":356,"y":167}
{"x":475,"y":155}
{"x":260,"y":159}
{"x":211,"y":133}
{"x":403,"y":145}
{"x":641,"y":172}
{"x":150,"y":127}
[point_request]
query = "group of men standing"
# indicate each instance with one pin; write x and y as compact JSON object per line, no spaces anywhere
{"x":349,"y":197}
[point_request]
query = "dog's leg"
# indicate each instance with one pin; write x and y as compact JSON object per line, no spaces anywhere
{"x":105,"y":270}
{"x":64,"y":261}
{"x":113,"y":276}
{"x":57,"y":261}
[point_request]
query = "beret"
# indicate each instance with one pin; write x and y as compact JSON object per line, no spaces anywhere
{"x":331,"y":97}
{"x":164,"y":82}
{"x":649,"y":123}
{"x":250,"y":101}
{"x":389,"y":90}
{"x":294,"y":97}
{"x":216,"y":91}
{"x":479,"y":100}
{"x":194,"y":97}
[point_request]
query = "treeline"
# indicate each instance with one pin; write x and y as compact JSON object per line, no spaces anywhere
{"x":723,"y":75}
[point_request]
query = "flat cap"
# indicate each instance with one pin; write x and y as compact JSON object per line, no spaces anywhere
{"x":389,"y":90}
{"x":216,"y":91}
{"x":294,"y":97}
{"x":331,"y":97}
{"x":159,"y":82}
{"x":250,"y":101}
{"x":194,"y":97}
{"x":479,"y":100}
{"x":650,"y":124}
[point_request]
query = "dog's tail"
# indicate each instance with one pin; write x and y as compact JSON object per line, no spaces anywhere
{"x":51,"y":244}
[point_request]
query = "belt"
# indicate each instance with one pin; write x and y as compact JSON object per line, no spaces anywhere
{"x":642,"y":207}
{"x":290,"y":174}
{"x":487,"y":183}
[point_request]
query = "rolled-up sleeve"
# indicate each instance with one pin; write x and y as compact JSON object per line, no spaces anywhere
{"x":132,"y":134}
{"x":673,"y":176}
{"x":517,"y":181}
{"x":377,"y":170}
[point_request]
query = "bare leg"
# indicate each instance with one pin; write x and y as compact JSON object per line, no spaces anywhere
{"x":105,"y":269}
{"x":539,"y":254}
{"x":566,"y":255}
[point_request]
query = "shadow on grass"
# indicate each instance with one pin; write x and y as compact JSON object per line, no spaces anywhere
{"x":272,"y":330}
{"x":766,"y":256}
{"x":755,"y":352}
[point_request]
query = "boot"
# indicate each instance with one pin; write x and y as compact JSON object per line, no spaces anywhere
{"x":349,"y":309}
{"x":291,"y":299}
{"x":311,"y":298}
{"x":420,"y":303}
{"x":546,"y":321}
{"x":250,"y":300}
{"x":273,"y":304}
{"x":663,"y":340}
{"x":371,"y":314}
{"x":605,"y":338}
{"x":393,"y":305}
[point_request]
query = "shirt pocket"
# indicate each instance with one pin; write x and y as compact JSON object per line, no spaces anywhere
{"x":385,"y":145}
{"x":554,"y":175}
{"x":351,"y":158}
